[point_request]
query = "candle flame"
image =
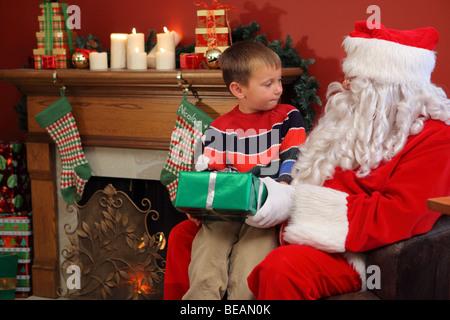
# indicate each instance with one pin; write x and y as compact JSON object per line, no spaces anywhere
{"x":166,"y":30}
{"x":134,"y":30}
{"x":137,"y":49}
{"x":162,"y":50}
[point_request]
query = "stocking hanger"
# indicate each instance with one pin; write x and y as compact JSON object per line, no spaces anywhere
{"x":61,"y":87}
{"x":185,"y":87}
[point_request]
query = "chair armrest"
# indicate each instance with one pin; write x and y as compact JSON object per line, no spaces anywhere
{"x":417,"y":268}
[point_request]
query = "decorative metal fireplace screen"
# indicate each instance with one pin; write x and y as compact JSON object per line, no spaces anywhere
{"x":113,"y":251}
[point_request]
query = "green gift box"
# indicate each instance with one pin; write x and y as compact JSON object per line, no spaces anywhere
{"x":220,"y":195}
{"x":8,"y":275}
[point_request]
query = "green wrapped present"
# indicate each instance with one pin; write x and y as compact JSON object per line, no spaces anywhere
{"x":220,"y":195}
{"x":8,"y":275}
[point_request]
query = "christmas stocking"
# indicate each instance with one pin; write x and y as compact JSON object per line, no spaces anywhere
{"x":190,"y":126}
{"x":58,"y":121}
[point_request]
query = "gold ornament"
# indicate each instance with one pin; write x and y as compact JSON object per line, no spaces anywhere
{"x":79,"y":61}
{"x":212,"y":58}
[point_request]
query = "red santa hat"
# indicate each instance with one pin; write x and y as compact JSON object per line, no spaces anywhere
{"x":390,"y":56}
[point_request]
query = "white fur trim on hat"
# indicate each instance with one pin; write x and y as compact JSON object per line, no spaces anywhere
{"x":319,"y":218}
{"x":387,"y":62}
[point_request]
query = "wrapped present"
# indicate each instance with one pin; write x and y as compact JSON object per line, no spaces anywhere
{"x":8,"y":275}
{"x":55,"y":39}
{"x":60,"y":40}
{"x":192,"y":61}
{"x":15,"y":189}
{"x":58,"y":24}
{"x":9,"y":240}
{"x":220,"y":195}
{"x":61,"y":59}
{"x":24,"y":254}
{"x":207,"y":18}
{"x":213,"y":29}
{"x":19,"y":225}
{"x":204,"y":38}
{"x":56,"y":8}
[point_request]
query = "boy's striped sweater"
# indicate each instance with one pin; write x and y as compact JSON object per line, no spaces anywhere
{"x":263,"y":143}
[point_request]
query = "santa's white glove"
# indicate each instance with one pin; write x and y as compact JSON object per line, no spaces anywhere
{"x":277,"y":207}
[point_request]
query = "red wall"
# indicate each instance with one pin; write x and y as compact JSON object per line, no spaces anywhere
{"x":316,"y":27}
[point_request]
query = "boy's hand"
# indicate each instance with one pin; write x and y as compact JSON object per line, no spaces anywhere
{"x":197,"y":221}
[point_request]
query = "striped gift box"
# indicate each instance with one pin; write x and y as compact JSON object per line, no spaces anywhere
{"x":61,"y":58}
{"x":60,"y":39}
{"x":59,"y":24}
{"x":56,"y":8}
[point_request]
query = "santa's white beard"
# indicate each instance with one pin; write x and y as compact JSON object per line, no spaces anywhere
{"x":366,"y":125}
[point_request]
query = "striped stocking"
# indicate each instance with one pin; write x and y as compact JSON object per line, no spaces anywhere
{"x":58,"y":121}
{"x":190,"y":125}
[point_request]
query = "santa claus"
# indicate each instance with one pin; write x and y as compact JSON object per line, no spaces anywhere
{"x":380,"y":150}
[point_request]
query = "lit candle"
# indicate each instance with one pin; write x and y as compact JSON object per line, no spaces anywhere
{"x":138,"y":60}
{"x":175,"y":35}
{"x":118,"y":50}
{"x":98,"y":61}
{"x":135,"y":44}
{"x":166,"y":40}
{"x":151,"y":58}
{"x":165,"y":60}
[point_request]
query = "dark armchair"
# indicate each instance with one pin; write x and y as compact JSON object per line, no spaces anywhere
{"x":417,"y":268}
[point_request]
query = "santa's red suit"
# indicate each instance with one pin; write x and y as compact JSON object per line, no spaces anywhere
{"x":329,"y":224}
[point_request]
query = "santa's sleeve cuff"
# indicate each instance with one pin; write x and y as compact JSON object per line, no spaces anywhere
{"x":319,"y":218}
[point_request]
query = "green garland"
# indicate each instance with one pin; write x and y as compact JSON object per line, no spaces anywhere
{"x":304,"y":89}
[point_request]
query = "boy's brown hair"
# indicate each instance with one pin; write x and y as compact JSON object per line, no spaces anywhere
{"x":240,"y":60}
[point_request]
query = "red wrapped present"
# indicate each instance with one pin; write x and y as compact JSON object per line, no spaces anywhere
{"x":213,"y":30}
{"x":192,"y":61}
{"x":206,"y":17}
{"x":205,"y":38}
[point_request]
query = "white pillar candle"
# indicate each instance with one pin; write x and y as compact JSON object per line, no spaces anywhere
{"x":176,"y":37}
{"x":165,"y":60}
{"x":138,"y":60}
{"x":98,"y":60}
{"x":164,"y":41}
{"x":135,"y":44}
{"x":118,"y":50}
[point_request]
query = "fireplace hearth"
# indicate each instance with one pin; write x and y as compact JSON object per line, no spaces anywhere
{"x":117,"y":246}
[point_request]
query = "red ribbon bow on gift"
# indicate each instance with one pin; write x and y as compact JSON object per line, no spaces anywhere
{"x":216,"y":5}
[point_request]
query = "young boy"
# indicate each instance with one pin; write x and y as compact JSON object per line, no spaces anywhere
{"x":258,"y":136}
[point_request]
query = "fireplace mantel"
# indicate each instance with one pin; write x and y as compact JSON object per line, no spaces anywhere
{"x":114,"y":108}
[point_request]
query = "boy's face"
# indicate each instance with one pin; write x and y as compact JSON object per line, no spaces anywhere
{"x":263,"y":90}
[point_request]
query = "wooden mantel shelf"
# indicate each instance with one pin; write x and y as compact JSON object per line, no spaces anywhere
{"x":121,"y":81}
{"x":123,"y":109}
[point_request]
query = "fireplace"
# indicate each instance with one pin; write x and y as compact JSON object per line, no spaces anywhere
{"x":119,"y":240}
{"x":118,"y":110}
